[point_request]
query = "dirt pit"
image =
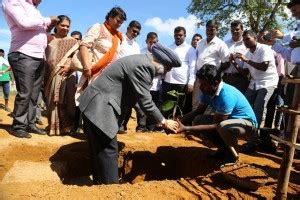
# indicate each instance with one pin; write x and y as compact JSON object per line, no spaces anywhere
{"x":151,"y":166}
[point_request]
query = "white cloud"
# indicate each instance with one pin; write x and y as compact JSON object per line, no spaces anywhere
{"x":5,"y":32}
{"x":167,"y":27}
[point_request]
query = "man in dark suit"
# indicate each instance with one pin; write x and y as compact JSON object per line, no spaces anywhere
{"x":105,"y":102}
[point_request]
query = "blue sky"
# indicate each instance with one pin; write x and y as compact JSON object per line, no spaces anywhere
{"x":161,"y":16}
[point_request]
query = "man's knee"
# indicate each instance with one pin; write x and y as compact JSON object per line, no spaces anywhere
{"x":226,"y":132}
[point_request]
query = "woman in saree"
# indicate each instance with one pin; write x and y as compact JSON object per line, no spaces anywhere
{"x":100,"y":46}
{"x":60,"y":81}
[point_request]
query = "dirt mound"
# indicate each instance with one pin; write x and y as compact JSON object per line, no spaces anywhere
{"x":151,"y":165}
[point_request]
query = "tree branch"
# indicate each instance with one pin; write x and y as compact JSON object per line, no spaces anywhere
{"x":272,"y":15}
{"x":227,"y":5}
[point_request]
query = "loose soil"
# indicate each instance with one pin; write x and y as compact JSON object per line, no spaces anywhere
{"x":151,"y":166}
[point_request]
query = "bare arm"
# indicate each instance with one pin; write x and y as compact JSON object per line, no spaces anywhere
{"x":207,"y":127}
{"x":84,"y":54}
{"x":263,"y":66}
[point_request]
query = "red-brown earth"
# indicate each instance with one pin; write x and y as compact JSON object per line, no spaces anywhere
{"x":151,"y":165}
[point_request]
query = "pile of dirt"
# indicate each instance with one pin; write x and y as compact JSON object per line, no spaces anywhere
{"x":151,"y":165}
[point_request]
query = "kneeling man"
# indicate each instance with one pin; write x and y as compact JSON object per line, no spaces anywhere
{"x":233,"y":114}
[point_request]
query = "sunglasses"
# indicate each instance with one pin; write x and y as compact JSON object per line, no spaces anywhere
{"x":137,"y":32}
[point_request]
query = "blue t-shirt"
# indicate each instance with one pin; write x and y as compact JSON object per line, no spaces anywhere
{"x":230,"y":101}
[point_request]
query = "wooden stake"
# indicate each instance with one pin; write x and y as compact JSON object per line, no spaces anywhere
{"x":288,"y":156}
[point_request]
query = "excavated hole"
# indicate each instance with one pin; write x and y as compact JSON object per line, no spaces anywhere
{"x":137,"y":166}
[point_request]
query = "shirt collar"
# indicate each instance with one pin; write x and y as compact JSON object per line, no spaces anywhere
{"x":220,"y":87}
{"x":129,"y":40}
{"x":238,"y":42}
{"x":212,"y":41}
{"x":181,"y":45}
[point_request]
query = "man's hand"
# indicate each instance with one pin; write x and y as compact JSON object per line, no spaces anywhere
{"x":189,"y":88}
{"x":276,"y":34}
{"x":240,"y":56}
{"x":170,"y":124}
{"x":87,"y":72}
{"x":181,"y":127}
{"x":54,"y":21}
{"x":64,"y":70}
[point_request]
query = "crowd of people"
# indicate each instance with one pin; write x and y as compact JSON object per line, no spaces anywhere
{"x":225,"y":88}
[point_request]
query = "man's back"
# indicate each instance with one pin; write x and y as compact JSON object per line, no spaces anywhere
{"x":230,"y":101}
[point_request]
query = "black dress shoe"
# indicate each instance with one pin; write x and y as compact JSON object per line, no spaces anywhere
{"x":36,"y":130}
{"x":20,"y":133}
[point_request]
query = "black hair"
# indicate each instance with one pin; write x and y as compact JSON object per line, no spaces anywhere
{"x":209,"y":72}
{"x":60,"y":19}
{"x":236,"y":23}
{"x":249,"y":32}
{"x":179,"y":28}
{"x":77,"y":33}
{"x":151,"y":35}
{"x":1,"y":51}
{"x":197,"y":35}
{"x":292,"y":3}
{"x":213,"y":23}
{"x":115,"y":11}
{"x":135,"y":24}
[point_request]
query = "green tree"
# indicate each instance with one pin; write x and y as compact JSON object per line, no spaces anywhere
{"x":255,"y":14}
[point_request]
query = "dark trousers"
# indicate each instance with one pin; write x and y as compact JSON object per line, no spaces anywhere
{"x":140,"y":118}
{"x":150,"y":121}
{"x":28,"y":72}
{"x":213,"y":136}
{"x":237,"y":80}
{"x":77,"y":120}
{"x":104,"y":154}
{"x":275,"y":100}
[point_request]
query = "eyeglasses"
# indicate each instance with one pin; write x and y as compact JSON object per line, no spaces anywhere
{"x":137,"y":32}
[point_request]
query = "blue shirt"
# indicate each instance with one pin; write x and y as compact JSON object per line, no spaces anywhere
{"x":230,"y":101}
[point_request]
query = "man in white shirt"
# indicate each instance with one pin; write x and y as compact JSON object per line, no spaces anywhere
{"x":196,"y":39}
{"x":259,"y":61}
{"x":211,"y":50}
{"x":181,"y":79}
{"x":236,"y":45}
{"x":129,"y":47}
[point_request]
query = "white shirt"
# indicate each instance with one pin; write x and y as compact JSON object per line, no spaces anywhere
{"x":128,"y":47}
{"x":156,"y":82}
{"x":235,"y":47}
{"x":215,"y":52}
{"x":185,"y":74}
{"x":262,"y":79}
{"x":3,"y":61}
{"x":289,"y":54}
